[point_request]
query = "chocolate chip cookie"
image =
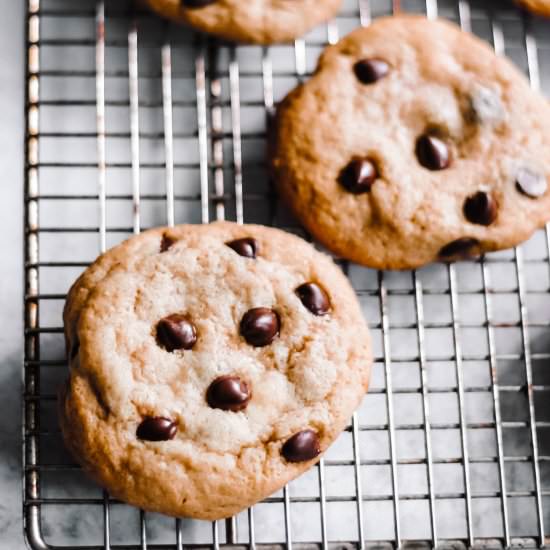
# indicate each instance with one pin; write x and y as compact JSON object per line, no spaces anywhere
{"x":540,"y":7}
{"x":257,"y":21}
{"x":209,"y":365}
{"x":414,"y":142}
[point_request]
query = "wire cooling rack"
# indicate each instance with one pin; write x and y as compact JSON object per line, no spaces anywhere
{"x":133,"y":122}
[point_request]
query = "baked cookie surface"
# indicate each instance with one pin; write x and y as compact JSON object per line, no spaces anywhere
{"x":540,"y":7}
{"x":414,"y":142}
{"x":209,"y":365}
{"x":257,"y":21}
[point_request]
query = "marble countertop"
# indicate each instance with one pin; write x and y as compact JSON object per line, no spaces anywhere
{"x":11,"y":226}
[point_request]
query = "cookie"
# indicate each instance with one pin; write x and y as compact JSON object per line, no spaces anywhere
{"x":259,"y":21}
{"x":209,"y":366}
{"x":414,"y":142}
{"x":540,"y":7}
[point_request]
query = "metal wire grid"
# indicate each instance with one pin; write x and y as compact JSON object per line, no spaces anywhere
{"x":222,"y":193}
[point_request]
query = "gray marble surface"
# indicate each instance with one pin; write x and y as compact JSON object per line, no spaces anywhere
{"x":11,"y":225}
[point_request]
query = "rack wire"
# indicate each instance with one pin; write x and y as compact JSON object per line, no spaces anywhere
{"x":133,"y":122}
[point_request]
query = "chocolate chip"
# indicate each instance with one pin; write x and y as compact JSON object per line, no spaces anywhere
{"x":358,"y":176}
{"x":460,"y":247}
{"x":196,"y":3}
{"x":369,"y":71}
{"x":176,"y":332}
{"x":229,"y":393}
{"x":302,"y":446}
{"x":480,"y":208}
{"x":531,"y":183}
{"x":432,"y":153}
{"x":166,"y":243}
{"x":247,"y":247}
{"x":156,"y":428}
{"x":314,"y":298}
{"x":259,"y":326}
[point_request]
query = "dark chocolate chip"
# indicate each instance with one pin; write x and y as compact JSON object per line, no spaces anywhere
{"x":196,"y":3}
{"x":302,"y":446}
{"x":229,"y":393}
{"x":432,"y":152}
{"x":369,"y":71}
{"x":259,"y":326}
{"x":156,"y":428}
{"x":314,"y":298}
{"x":480,"y":208}
{"x":166,"y":243}
{"x":531,"y":183}
{"x":358,"y":176}
{"x":247,"y":247}
{"x":460,"y":247}
{"x":176,"y":332}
